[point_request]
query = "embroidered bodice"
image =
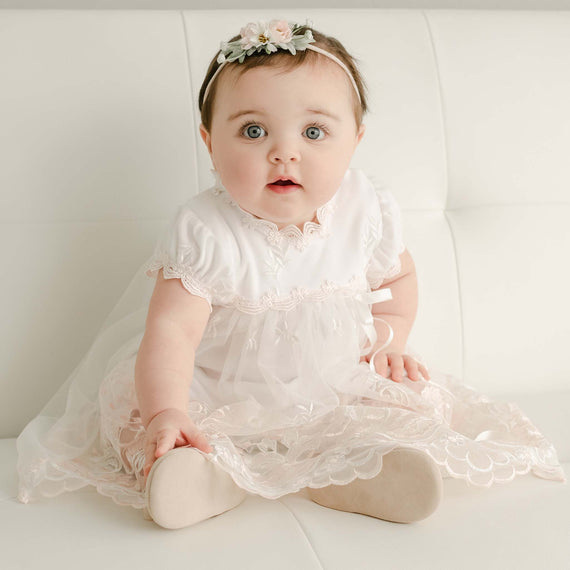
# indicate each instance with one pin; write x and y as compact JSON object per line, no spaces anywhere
{"x":231,"y":258}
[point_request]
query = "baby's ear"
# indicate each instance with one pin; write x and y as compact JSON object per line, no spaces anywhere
{"x":360,"y":133}
{"x":206,"y":138}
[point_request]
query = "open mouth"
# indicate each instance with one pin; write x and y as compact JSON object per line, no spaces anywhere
{"x":282,"y":186}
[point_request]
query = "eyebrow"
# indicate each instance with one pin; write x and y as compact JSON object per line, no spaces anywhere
{"x":239,"y":114}
{"x":325,"y":113}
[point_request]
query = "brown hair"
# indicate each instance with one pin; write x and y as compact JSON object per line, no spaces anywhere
{"x":288,"y":61}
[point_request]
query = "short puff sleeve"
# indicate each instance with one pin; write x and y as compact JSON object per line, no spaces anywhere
{"x":189,"y":251}
{"x":385,"y":258}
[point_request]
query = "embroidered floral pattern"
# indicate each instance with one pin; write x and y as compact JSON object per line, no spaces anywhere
{"x":385,"y":259}
{"x":270,"y":300}
{"x":284,"y":334}
{"x":275,"y":262}
{"x":292,"y":234}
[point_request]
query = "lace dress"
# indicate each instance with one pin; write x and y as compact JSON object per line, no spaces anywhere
{"x":278,"y":387}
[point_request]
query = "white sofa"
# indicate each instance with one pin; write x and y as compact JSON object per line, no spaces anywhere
{"x":470,"y":129}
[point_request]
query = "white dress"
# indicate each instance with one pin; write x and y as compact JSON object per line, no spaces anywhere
{"x":278,"y":388}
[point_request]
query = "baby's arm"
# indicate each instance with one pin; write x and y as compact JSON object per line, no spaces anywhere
{"x":400,"y":312}
{"x":164,"y":367}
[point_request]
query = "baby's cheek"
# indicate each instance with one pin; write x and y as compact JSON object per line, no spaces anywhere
{"x":240,"y":170}
{"x":328,"y":184}
{"x":240,"y":186}
{"x":232,"y":179}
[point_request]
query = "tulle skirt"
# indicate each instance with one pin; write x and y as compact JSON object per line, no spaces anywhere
{"x":271,"y":439}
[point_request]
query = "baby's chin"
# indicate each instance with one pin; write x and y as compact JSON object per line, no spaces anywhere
{"x":299,"y":222}
{"x":282,"y":221}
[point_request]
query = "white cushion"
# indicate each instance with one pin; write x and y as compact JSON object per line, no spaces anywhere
{"x":521,"y":525}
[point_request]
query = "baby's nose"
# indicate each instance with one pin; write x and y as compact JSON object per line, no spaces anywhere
{"x":284,"y":153}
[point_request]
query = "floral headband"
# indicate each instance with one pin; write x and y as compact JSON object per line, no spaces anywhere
{"x":278,"y":34}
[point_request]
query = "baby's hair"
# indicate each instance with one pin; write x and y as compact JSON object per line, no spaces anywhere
{"x":288,"y":62}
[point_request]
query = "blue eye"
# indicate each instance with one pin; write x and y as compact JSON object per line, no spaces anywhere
{"x":314,"y":133}
{"x":253,"y":131}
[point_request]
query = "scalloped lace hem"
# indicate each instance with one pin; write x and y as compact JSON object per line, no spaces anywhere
{"x":469,"y":436}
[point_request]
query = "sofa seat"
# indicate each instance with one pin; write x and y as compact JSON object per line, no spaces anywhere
{"x":523,"y":525}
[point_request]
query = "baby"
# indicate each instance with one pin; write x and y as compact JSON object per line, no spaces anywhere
{"x":274,"y":356}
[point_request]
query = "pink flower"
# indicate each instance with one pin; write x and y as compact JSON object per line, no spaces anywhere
{"x":280,"y":31}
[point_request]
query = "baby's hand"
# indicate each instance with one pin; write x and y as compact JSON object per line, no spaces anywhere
{"x":169,"y":429}
{"x":398,"y":362}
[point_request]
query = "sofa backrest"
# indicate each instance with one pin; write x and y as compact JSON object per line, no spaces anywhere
{"x":469,"y":129}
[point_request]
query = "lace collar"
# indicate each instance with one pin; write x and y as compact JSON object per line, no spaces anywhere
{"x":291,"y":233}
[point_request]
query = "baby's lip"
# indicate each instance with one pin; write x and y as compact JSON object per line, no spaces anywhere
{"x":284,"y":179}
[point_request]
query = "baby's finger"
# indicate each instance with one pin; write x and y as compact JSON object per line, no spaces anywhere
{"x":424,"y":371}
{"x":149,"y":451}
{"x":197,"y":439}
{"x":380,"y":362}
{"x":165,"y":442}
{"x":411,"y":367}
{"x":180,"y":441}
{"x":397,"y":366}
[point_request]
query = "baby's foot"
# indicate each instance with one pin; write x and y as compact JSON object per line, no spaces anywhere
{"x":184,"y":487}
{"x":408,"y":489}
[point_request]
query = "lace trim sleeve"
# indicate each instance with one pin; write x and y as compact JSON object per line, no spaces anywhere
{"x":385,"y":260}
{"x":187,"y":251}
{"x":186,"y":275}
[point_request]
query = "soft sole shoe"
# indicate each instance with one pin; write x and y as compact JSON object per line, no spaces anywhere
{"x":408,"y":489}
{"x":184,"y":487}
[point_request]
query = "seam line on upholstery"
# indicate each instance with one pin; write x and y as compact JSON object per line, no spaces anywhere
{"x":441,"y":108}
{"x":305,"y":535}
{"x":505,"y":205}
{"x":458,"y":278}
{"x":191,"y":99}
{"x":446,"y":174}
{"x":40,"y":223}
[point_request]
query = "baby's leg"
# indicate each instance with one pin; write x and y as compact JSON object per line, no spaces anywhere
{"x":408,"y":488}
{"x":184,"y":487}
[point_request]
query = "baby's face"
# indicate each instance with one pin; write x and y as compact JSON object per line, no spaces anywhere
{"x":296,"y":125}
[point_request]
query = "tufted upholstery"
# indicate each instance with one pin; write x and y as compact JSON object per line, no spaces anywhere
{"x":470,"y":129}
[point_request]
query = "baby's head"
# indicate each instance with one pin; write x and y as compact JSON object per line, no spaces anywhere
{"x":294,"y":113}
{"x":286,"y":62}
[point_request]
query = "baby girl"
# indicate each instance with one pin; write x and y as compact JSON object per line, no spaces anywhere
{"x":274,"y":356}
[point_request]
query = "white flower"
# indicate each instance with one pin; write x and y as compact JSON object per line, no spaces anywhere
{"x":259,"y":37}
{"x":254,"y":35}
{"x":280,"y":31}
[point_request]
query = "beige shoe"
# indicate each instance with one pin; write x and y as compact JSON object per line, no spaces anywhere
{"x":409,"y":488}
{"x":184,"y":487}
